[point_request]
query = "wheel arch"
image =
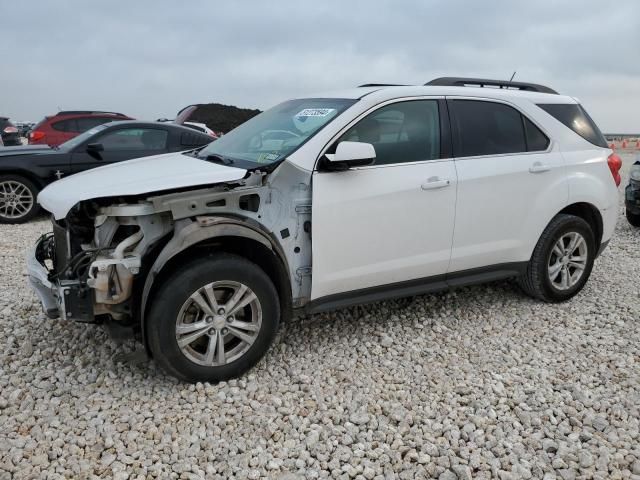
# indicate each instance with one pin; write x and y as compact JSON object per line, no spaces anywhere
{"x":37,"y":181}
{"x":223,"y":235}
{"x":590,"y":214}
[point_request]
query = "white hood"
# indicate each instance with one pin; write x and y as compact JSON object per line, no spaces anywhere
{"x":134,"y":177}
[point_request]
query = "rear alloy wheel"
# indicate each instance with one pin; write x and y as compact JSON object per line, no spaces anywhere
{"x":17,"y":199}
{"x":567,"y":261}
{"x":562,"y":260}
{"x":213,"y":319}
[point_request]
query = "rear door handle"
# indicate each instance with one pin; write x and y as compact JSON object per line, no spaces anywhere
{"x":435,"y":182}
{"x":538,"y":167}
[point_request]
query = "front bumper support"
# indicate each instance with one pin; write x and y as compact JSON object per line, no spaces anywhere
{"x":39,"y":281}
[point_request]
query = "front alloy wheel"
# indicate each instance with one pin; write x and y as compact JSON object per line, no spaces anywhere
{"x":213,"y":319}
{"x":218,"y":323}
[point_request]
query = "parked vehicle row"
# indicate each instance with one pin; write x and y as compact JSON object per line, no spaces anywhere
{"x":356,"y":196}
{"x":26,"y":170}
{"x":24,"y":128}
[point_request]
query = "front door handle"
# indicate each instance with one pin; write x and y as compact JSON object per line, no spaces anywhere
{"x":435,"y":182}
{"x":538,"y":167}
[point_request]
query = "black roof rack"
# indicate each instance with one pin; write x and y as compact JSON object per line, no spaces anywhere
{"x":81,"y":112}
{"x":382,"y":85}
{"x":483,"y":82}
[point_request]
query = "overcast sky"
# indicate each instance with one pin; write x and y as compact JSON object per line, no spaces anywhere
{"x":150,"y":58}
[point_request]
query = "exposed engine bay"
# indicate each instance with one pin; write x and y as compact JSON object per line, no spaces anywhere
{"x":95,"y":258}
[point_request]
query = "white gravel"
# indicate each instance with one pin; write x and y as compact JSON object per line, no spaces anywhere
{"x":478,"y":383}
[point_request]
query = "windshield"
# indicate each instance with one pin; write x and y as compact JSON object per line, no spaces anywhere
{"x":276,"y":133}
{"x":75,"y":141}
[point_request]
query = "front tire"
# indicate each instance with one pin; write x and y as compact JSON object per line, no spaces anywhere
{"x":633,"y":218}
{"x":17,"y":199}
{"x":562,"y":260}
{"x":213,"y":319}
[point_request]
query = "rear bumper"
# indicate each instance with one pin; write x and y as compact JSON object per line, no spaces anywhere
{"x":12,"y":141}
{"x":39,"y":281}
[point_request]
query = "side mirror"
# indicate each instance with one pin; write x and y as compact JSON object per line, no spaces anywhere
{"x":95,"y":147}
{"x":351,"y":154}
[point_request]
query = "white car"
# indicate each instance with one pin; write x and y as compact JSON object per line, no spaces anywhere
{"x":319,"y":203}
{"x":201,"y":127}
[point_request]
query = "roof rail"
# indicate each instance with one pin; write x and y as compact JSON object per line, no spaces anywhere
{"x":382,"y":85}
{"x":81,"y":112}
{"x":483,"y":82}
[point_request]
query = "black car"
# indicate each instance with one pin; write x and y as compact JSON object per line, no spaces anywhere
{"x":9,"y":133}
{"x":632,"y":195}
{"x":27,"y":169}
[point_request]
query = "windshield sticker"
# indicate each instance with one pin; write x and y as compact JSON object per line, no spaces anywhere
{"x":267,"y":157}
{"x":315,"y":112}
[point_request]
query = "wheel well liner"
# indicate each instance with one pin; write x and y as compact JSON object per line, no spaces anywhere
{"x":262,"y":252}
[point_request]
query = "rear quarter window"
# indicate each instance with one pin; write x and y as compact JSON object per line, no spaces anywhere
{"x":189,"y":139}
{"x":575,"y":117}
{"x":65,"y":125}
{"x":87,"y":123}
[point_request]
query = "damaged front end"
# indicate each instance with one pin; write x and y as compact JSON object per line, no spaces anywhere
{"x":85,"y":269}
{"x":105,"y":255}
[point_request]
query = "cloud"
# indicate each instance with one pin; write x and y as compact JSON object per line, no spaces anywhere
{"x":150,"y":58}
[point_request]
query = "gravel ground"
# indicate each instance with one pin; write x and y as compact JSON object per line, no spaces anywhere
{"x":481,"y":382}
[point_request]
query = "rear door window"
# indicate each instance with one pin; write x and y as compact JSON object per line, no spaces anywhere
{"x":135,"y":139}
{"x":486,"y":128}
{"x":536,"y":140}
{"x":575,"y":117}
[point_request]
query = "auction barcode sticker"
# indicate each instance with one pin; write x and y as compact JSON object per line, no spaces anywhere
{"x":315,"y":112}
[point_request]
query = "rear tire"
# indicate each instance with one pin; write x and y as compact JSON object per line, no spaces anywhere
{"x":633,"y":218}
{"x":17,"y":199}
{"x":562,"y":260}
{"x":217,"y":303}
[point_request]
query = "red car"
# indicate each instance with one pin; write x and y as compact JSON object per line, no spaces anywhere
{"x":57,"y":129}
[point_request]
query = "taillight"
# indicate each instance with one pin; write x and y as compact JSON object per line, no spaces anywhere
{"x":615,"y":164}
{"x":36,"y":135}
{"x":10,"y":130}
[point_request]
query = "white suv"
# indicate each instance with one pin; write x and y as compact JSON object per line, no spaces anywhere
{"x":357,"y":196}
